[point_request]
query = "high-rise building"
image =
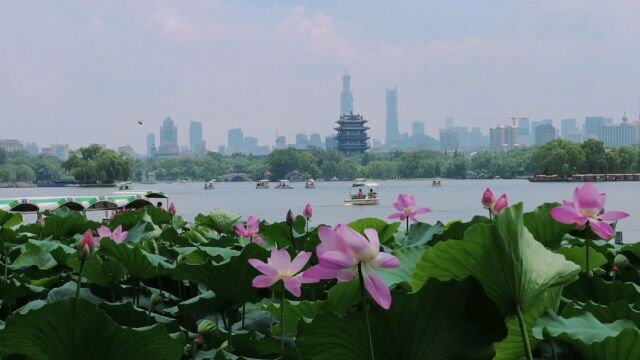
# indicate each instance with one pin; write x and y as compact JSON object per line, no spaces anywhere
{"x":315,"y":140}
{"x":417,"y":128}
{"x":302,"y":141}
{"x":31,"y":148}
{"x":11,"y":145}
{"x":568,"y":127}
{"x":391,"y":121}
{"x":235,"y":141}
{"x":168,"y":139}
{"x":250,"y":144}
{"x":503,"y":138}
{"x":346,"y":98}
{"x":151,"y":145}
{"x":61,"y":151}
{"x":619,"y":135}
{"x":449,"y":140}
{"x":196,"y":144}
{"x":544,"y":133}
{"x":449,"y":122}
{"x":281,"y":142}
{"x":352,"y":134}
{"x":330,"y":142}
{"x":592,"y":125}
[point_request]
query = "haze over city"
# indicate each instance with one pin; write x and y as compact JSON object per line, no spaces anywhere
{"x":81,"y":73}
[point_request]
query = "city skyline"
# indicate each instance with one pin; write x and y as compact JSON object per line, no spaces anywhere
{"x":100,"y":68}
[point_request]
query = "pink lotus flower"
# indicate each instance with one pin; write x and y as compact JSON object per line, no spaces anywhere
{"x":117,"y":235}
{"x":307,"y":212}
{"x":280,"y":267}
{"x":343,"y":250}
{"x":406,"y":205}
{"x":588,"y":208}
{"x":495,"y":206}
{"x":172,"y":209}
{"x":251,"y":230}
{"x":86,"y":245}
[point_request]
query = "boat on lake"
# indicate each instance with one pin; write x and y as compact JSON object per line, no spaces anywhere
{"x":262,"y":184}
{"x":127,"y":185}
{"x":310,"y":184}
{"x":585,"y":178}
{"x":284,"y":184}
{"x":437,"y":182}
{"x":210,"y":185}
{"x":367,"y":193}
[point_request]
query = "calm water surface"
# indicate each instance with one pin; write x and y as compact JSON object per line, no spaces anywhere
{"x":456,"y":199}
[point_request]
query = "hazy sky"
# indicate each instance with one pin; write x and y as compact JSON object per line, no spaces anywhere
{"x":80,"y":71}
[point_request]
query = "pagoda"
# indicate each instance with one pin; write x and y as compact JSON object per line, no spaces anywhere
{"x":352,"y":134}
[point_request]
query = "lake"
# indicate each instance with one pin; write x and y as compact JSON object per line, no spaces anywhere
{"x":456,"y":199}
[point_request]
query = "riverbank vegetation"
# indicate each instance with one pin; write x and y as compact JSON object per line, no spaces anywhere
{"x":546,"y":284}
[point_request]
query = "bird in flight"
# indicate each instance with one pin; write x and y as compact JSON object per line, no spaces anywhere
{"x":139,"y":122}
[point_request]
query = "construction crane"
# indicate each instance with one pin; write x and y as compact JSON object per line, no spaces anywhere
{"x":512,"y":118}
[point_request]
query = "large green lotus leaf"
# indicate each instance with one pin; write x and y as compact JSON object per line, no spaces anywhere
{"x":219,"y":220}
{"x":63,"y":224}
{"x":384,"y":229}
{"x":17,"y":287}
{"x":616,"y":310}
{"x":578,"y":255}
{"x":47,"y":333}
{"x":545,"y":228}
{"x":511,"y":347}
{"x":456,"y":229}
{"x":632,"y":251}
{"x":409,"y":257}
{"x":419,"y":234}
{"x":40,"y":254}
{"x":513,"y":268}
{"x":600,"y":291}
{"x":619,"y":340}
{"x":204,"y":303}
{"x":444,"y":320}
{"x":344,"y":296}
{"x":606,"y":248}
{"x":126,"y":314}
{"x":230,"y":280}
{"x":275,"y":235}
{"x":294,"y":312}
{"x":104,"y":271}
{"x":9,"y":220}
{"x":140,"y":263}
{"x":202,"y":254}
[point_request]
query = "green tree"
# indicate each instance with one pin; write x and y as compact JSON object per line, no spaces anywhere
{"x":95,"y":164}
{"x":596,"y":161}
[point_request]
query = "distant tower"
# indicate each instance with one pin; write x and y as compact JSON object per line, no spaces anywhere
{"x":168,"y":139}
{"x":151,"y":144}
{"x":352,"y":135}
{"x":392,"y":131}
{"x":346,"y":98}
{"x":196,"y":144}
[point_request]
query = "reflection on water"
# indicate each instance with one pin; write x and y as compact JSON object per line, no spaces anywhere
{"x":456,"y":199}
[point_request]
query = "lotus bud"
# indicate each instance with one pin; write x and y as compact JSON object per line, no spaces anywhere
{"x":156,"y":300}
{"x":307,"y":212}
{"x":207,"y":327}
{"x":41,"y":222}
{"x":488,"y":199}
{"x":290,"y":218}
{"x":172,"y":209}
{"x":199,"y":340}
{"x":86,"y":245}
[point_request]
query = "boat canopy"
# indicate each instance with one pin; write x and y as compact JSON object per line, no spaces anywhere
{"x":363,"y":182}
{"x":80,"y":203}
{"x":151,"y":194}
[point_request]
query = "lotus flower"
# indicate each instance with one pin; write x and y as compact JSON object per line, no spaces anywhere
{"x":343,"y":251}
{"x":280,"y":267}
{"x":172,"y":209}
{"x":291,"y":219}
{"x":251,"y":230}
{"x":406,"y":205}
{"x":86,"y":245}
{"x":117,"y":235}
{"x":495,"y":206}
{"x":307,"y":212}
{"x":588,"y":208}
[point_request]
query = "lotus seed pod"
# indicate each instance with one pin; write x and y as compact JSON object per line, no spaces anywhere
{"x":156,"y":300}
{"x":206,"y":327}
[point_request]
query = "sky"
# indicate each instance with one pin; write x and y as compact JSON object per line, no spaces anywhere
{"x":81,"y":72}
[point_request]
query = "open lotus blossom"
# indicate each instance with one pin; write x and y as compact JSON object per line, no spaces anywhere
{"x":172,"y":209}
{"x":588,"y":208}
{"x":495,"y":206}
{"x":280,"y":267}
{"x":251,"y":230}
{"x":406,"y":205}
{"x":117,"y":235}
{"x":307,"y":212}
{"x":343,"y":250}
{"x":86,"y":245}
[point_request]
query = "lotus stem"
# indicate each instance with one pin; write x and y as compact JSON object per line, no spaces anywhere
{"x":365,"y":306}
{"x":407,"y":227}
{"x":523,"y":332}
{"x":243,"y":313}
{"x":282,"y":322}
{"x":5,"y":303}
{"x":588,"y":268}
{"x":77,"y":299}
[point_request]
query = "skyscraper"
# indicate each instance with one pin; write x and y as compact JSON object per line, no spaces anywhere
{"x":151,"y":145}
{"x":315,"y":140}
{"x":168,"y":138}
{"x":568,"y":127}
{"x":196,"y":145}
{"x":235,"y":141}
{"x":618,"y":135}
{"x":346,"y":98}
{"x":392,"y":131}
{"x":448,"y":122}
{"x":592,"y":125}
{"x":544,"y":133}
{"x":417,"y":128}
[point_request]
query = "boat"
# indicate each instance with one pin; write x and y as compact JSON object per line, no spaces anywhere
{"x":127,"y":185}
{"x":209,"y":185}
{"x":366,"y":193}
{"x":310,"y":184}
{"x":262,"y":184}
{"x":437,"y":182}
{"x":284,"y":184}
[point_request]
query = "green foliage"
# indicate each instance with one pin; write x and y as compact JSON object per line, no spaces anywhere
{"x":97,"y":165}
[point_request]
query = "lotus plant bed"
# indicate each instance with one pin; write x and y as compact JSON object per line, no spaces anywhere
{"x":545,"y":284}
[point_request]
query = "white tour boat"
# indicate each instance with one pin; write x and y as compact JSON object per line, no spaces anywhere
{"x":363,"y":192}
{"x":210,"y":185}
{"x":284,"y":184}
{"x":262,"y":184}
{"x":310,"y":184}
